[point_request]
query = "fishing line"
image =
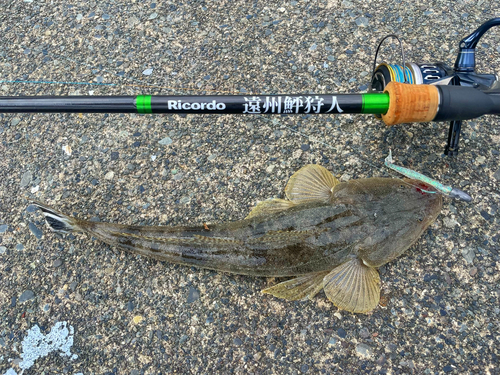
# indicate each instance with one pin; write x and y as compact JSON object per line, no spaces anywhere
{"x":91,"y":68}
{"x":358,"y":155}
{"x":112,"y":84}
{"x":142,"y":85}
{"x":58,"y":82}
{"x":357,"y":152}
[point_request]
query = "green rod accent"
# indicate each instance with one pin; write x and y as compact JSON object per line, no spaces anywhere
{"x":376,"y":103}
{"x":143,"y":104}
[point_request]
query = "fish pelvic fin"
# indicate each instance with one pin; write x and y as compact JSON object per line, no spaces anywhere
{"x":311,"y":183}
{"x":353,"y":286}
{"x":269,"y":207}
{"x":57,"y":221}
{"x":303,"y":286}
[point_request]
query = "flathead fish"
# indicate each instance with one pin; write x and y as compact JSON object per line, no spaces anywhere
{"x":327,"y":235}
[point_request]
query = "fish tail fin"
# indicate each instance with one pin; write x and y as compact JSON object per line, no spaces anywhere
{"x":57,"y":221}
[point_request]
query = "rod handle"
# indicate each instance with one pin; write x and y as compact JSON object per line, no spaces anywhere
{"x":410,"y":103}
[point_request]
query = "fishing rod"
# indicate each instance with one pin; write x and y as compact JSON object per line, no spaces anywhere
{"x":418,"y":93}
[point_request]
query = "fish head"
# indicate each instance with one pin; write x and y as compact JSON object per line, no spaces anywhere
{"x":394,"y":214}
{"x":428,"y":197}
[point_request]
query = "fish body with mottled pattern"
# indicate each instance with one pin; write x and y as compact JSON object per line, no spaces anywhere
{"x":328,"y":235}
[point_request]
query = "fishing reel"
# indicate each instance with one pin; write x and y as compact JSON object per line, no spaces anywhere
{"x":462,"y":74}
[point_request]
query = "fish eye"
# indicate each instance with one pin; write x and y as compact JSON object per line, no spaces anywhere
{"x":420,"y":219}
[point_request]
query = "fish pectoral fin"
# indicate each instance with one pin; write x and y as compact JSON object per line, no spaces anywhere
{"x":353,"y":286}
{"x":270,"y":206}
{"x":311,"y":183}
{"x":298,"y":288}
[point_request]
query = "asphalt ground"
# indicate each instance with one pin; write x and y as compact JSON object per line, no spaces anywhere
{"x":132,"y":315}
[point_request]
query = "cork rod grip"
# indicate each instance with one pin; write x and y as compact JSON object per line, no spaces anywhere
{"x":411,"y":103}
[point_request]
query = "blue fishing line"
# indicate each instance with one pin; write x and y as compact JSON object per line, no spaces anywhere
{"x":60,"y":83}
{"x":409,"y":76}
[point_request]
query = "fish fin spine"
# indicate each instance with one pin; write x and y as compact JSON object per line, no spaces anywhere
{"x":286,"y":236}
{"x":57,"y":221}
{"x":194,"y":240}
{"x":217,"y":240}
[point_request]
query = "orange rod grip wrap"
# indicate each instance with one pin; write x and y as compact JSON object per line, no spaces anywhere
{"x":411,"y":103}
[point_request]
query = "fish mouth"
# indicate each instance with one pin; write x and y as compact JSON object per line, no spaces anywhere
{"x":420,"y":186}
{"x":430,"y":198}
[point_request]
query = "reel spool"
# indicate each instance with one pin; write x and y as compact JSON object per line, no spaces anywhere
{"x":462,"y":74}
{"x":414,"y":74}
{"x":417,"y":74}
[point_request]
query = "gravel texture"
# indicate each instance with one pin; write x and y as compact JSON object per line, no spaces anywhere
{"x":440,"y":301}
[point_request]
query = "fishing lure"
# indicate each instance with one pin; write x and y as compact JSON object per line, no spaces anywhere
{"x":449,"y":191}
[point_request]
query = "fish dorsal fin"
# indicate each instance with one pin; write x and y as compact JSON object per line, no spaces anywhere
{"x":353,"y":286}
{"x":311,"y":183}
{"x":269,"y":206}
{"x":285,"y":236}
{"x":303,"y":286}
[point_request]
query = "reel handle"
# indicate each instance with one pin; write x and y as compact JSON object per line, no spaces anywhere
{"x":466,"y":59}
{"x":455,"y":105}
